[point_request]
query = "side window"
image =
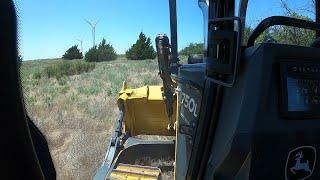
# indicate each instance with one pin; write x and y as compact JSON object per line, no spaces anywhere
{"x":190,"y":40}
{"x":281,"y":34}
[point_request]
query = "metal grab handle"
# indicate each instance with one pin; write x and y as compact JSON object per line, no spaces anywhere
{"x":280,"y":20}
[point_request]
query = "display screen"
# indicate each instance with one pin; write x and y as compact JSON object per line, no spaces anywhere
{"x":300,"y":89}
{"x":303,"y":94}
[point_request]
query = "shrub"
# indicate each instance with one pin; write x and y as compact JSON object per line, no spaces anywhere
{"x":142,"y":49}
{"x":73,"y":53}
{"x":92,"y":54}
{"x":192,"y":48}
{"x":104,"y":52}
{"x":20,"y":58}
{"x":67,"y":68}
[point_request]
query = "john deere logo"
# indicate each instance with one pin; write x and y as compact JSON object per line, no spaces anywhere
{"x":300,"y":163}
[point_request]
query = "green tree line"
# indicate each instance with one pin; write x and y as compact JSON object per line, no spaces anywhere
{"x":140,"y":50}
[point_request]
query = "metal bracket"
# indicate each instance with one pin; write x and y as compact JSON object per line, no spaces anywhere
{"x":229,"y":79}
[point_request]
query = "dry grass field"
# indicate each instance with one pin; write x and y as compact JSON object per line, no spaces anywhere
{"x":76,"y":113}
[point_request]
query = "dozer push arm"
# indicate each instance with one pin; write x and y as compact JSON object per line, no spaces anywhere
{"x":164,"y":61}
{"x":114,"y":146}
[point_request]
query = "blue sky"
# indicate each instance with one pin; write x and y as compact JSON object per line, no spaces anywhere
{"x":47,"y":28}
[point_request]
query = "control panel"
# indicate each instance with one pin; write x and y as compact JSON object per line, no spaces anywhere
{"x":300,"y":89}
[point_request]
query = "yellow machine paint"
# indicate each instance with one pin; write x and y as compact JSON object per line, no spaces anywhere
{"x":135,"y":172}
{"x":145,"y":111}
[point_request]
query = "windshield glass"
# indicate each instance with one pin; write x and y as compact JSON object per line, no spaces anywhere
{"x":76,"y":55}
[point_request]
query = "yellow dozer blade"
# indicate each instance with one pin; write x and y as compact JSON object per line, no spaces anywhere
{"x":142,"y":112}
{"x":145,"y":111}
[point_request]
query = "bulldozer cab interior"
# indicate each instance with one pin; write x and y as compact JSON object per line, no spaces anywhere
{"x":248,"y":112}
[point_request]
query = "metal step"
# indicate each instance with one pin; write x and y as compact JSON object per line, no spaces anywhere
{"x":135,"y":172}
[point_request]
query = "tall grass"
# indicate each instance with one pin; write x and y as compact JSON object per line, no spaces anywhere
{"x":68,"y":68}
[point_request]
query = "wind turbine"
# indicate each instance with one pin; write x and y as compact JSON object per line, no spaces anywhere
{"x":80,"y":40}
{"x":93,"y":26}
